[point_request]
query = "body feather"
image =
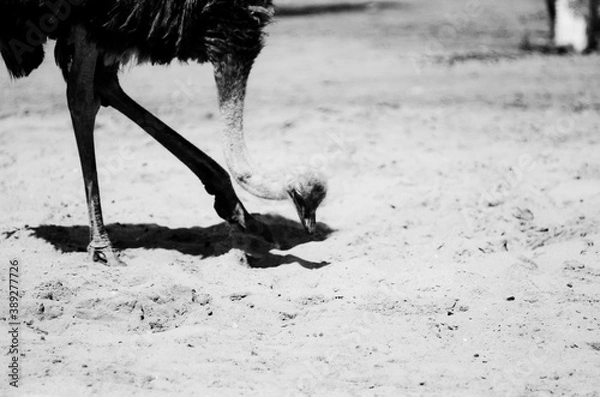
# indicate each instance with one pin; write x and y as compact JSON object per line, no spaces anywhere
{"x":157,"y":31}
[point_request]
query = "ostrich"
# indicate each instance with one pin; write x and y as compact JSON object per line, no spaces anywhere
{"x":95,"y":37}
{"x":573,"y":23}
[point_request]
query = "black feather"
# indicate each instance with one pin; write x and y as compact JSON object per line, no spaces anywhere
{"x":158,"y":31}
{"x":21,"y":42}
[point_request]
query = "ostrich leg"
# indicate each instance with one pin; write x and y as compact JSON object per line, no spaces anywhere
{"x":215,"y":179}
{"x":84,"y":105}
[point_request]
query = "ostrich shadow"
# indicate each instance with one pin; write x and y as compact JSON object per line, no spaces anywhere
{"x":204,"y":242}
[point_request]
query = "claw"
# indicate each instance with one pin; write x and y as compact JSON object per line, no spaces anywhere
{"x":253,"y":237}
{"x":258,"y":228}
{"x":105,"y":255}
{"x":243,"y":222}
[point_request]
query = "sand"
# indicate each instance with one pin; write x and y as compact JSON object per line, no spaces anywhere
{"x":457,"y":251}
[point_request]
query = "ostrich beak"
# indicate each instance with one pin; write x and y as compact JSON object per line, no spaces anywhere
{"x":308,"y":215}
{"x":309,"y":221}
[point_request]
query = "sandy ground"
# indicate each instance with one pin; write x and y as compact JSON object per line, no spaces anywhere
{"x":457,"y":253}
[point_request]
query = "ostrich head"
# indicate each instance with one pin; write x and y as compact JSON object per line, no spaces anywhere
{"x":307,"y":191}
{"x":306,"y":187}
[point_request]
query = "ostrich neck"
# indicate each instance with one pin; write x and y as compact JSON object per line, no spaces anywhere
{"x":237,"y":156}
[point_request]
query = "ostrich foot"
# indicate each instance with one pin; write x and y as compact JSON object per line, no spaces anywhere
{"x":251,"y":245}
{"x":257,"y":228}
{"x":105,"y":254}
{"x":254,"y":237}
